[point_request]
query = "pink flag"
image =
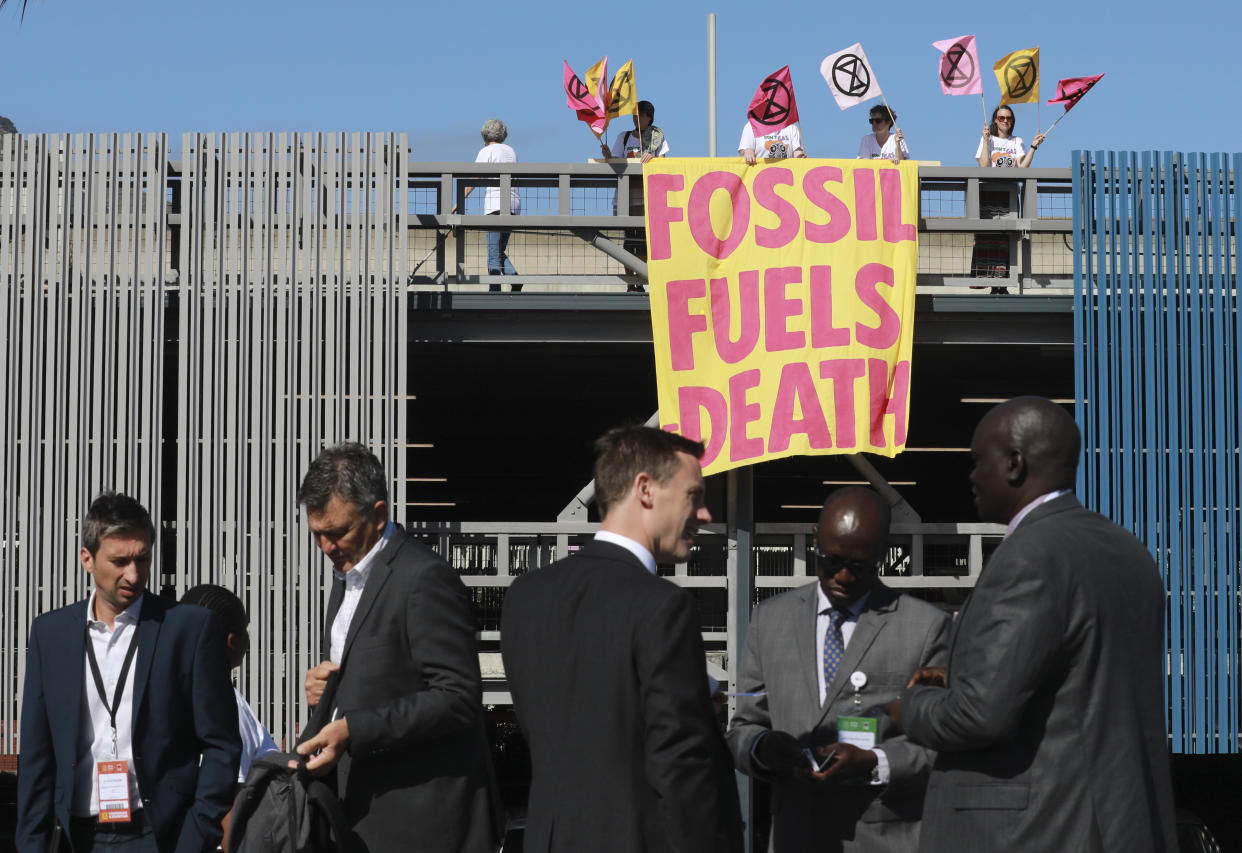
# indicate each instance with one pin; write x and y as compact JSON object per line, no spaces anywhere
{"x":590,"y":108}
{"x":773,"y":106}
{"x":959,"y":66}
{"x":1071,"y":89}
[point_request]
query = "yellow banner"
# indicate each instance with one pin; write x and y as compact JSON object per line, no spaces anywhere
{"x":782,"y":304}
{"x":1018,"y":77}
{"x":623,"y":99}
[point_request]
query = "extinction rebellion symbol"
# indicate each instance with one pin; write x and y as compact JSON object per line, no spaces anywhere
{"x":776,"y":106}
{"x":850,"y":76}
{"x":1020,"y":76}
{"x":951,"y":72}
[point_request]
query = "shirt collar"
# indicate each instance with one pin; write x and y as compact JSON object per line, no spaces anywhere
{"x":1026,"y":510}
{"x":356,"y":577}
{"x":854,"y":608}
{"x":644,"y":556}
{"x":129,"y":615}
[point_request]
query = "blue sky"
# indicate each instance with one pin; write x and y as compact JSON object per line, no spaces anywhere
{"x":437,"y":70}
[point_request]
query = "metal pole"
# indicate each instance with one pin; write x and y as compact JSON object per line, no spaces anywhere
{"x":711,"y":84}
{"x":740,"y":500}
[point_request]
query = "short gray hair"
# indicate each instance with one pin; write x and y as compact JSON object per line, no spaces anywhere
{"x":494,"y":130}
{"x":348,"y":471}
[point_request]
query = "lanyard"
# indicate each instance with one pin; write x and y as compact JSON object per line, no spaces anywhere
{"x":115,"y":705}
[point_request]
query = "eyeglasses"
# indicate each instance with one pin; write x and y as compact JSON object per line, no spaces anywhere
{"x":830,"y":564}
{"x":1005,"y":118}
{"x":878,"y":120}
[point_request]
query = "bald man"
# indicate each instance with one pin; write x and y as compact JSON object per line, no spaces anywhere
{"x":1049,"y":721}
{"x":837,"y":649}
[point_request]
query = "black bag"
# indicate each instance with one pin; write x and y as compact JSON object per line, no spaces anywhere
{"x":283,"y":810}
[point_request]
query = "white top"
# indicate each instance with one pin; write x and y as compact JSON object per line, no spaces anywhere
{"x":1026,"y":510}
{"x":854,"y":609}
{"x":772,"y":146}
{"x":869,"y":149}
{"x":629,"y":139}
{"x":645,"y":556}
{"x":95,"y":726}
{"x":255,"y":738}
{"x":355,"y":580}
{"x":498,"y":152}
{"x":1002,"y":152}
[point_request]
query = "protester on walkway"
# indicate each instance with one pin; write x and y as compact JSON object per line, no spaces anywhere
{"x":999,"y":147}
{"x":495,"y":150}
{"x":884,"y":142}
{"x":646,"y":145}
{"x":786,"y":142}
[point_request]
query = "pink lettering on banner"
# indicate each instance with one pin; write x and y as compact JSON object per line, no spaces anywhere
{"x":660,"y":214}
{"x":889,"y":396}
{"x":823,"y":333}
{"x":797,"y":388}
{"x":764,"y":188}
{"x":692,"y":400}
{"x":895,"y":231}
{"x":731,"y":351}
{"x":778,"y":307}
{"x":701,"y":226}
{"x":682,"y":324}
{"x":814,"y":185}
{"x":866,"y":284}
{"x":864,"y":204}
{"x":741,"y":415}
{"x":844,"y":373}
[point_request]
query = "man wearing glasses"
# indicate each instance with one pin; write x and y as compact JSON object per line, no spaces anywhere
{"x":820,"y":662}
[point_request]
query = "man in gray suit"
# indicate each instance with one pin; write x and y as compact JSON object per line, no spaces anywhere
{"x":820,"y":656}
{"x":1049,"y":721}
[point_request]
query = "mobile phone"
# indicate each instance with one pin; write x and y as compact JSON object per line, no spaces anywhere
{"x":817,"y":765}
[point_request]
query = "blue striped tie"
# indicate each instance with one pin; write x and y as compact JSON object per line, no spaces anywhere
{"x":834,"y":646}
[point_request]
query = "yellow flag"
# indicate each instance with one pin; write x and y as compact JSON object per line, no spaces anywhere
{"x":623,"y":98}
{"x":1018,"y":77}
{"x":592,"y":75}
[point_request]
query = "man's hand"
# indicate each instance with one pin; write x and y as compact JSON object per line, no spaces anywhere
{"x":316,"y":679}
{"x":648,"y":156}
{"x":779,"y":753}
{"x":325,"y":749}
{"x":851,"y":762}
{"x":604,"y":150}
{"x":931,"y":676}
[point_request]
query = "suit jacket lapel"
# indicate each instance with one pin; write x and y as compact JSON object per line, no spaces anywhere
{"x":335,"y":596}
{"x":380,"y":572}
{"x":807,"y":660}
{"x":149,"y":622}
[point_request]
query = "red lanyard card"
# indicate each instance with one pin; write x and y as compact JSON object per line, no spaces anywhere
{"x":113,"y":791}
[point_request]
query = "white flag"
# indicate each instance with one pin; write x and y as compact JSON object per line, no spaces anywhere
{"x":850,"y":77}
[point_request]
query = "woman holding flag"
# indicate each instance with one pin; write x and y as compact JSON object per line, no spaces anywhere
{"x":999,"y":147}
{"x":646,"y":144}
{"x":884,"y":142}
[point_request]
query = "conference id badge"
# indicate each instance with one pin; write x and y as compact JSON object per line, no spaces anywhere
{"x":858,"y":731}
{"x":113,"y":791}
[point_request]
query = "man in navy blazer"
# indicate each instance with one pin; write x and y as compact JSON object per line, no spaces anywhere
{"x":174,"y":721}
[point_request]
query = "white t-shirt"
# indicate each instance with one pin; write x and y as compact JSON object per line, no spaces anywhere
{"x":498,"y":152}
{"x":772,"y":146}
{"x":629,"y":139}
{"x":869,"y":149}
{"x":256,"y":741}
{"x":1003,"y":152}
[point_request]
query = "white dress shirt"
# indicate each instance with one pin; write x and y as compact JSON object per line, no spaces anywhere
{"x":355,"y":580}
{"x":854,"y":609}
{"x":644,"y":556}
{"x":95,"y":726}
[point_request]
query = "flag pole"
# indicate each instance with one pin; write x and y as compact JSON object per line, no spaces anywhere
{"x":983,"y":103}
{"x":1055,"y":123}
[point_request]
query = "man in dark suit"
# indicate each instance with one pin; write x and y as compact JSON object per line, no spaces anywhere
{"x":605,"y":662}
{"x":1049,"y":721}
{"x":829,"y":650}
{"x":132,"y":692}
{"x":402,"y":725}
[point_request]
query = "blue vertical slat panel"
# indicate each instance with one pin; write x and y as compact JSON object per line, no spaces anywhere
{"x":1157,"y":371}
